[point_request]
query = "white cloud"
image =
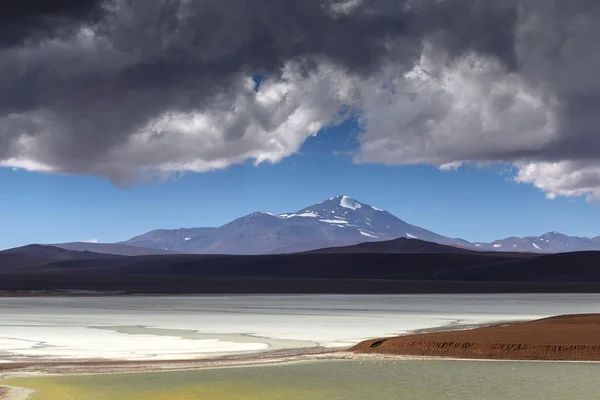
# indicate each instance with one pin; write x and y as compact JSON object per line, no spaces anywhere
{"x":565,"y":178}
{"x":26,"y":164}
{"x":345,"y":7}
{"x":439,"y":112}
{"x":265,"y":125}
{"x":470,"y":110}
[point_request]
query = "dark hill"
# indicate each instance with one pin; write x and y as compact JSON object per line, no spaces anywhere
{"x":340,"y":271}
{"x":334,"y":266}
{"x":112,"y":248}
{"x":42,"y":254}
{"x":411,"y":246}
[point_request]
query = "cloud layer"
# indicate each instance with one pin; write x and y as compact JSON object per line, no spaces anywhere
{"x":144,"y":88}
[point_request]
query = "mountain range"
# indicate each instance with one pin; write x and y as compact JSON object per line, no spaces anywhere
{"x":551,"y":242}
{"x":394,"y":266}
{"x":338,"y":221}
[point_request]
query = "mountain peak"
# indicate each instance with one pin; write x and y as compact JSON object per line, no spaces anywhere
{"x":337,"y":221}
{"x":553,"y":233}
{"x":350,"y":203}
{"x":339,"y":205}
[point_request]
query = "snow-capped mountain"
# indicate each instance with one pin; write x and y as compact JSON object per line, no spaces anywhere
{"x":551,"y":242}
{"x":368,"y":223}
{"x":338,"y":221}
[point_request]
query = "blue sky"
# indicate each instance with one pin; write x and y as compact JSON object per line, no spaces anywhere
{"x":475,"y":204}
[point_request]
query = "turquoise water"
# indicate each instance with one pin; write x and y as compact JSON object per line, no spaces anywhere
{"x":336,"y":380}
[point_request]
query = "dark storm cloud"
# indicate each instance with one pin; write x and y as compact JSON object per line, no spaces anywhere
{"x":87,"y":92}
{"x":563,"y":55}
{"x":155,"y":44}
{"x":25,"y":20}
{"x":80,"y":79}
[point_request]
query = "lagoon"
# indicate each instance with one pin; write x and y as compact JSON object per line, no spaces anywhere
{"x":336,"y":380}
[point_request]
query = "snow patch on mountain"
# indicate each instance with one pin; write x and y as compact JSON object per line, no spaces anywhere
{"x":309,"y":214}
{"x":271,"y":214}
{"x":333,"y":221}
{"x":367,"y":234}
{"x":376,"y":209}
{"x":408,"y":235}
{"x":349,"y":203}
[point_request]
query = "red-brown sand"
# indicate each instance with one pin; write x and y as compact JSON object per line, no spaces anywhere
{"x":568,"y":337}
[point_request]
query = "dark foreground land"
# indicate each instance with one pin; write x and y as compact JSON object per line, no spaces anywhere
{"x":89,"y":284}
{"x":401,"y":266}
{"x":563,"y":338}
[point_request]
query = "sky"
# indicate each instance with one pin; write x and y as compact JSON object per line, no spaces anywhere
{"x":477,"y":204}
{"x":474,"y":119}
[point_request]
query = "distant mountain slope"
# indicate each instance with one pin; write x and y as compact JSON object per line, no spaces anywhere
{"x":338,"y":221}
{"x":396,"y":246}
{"x":168,"y":239}
{"x":112,"y":248}
{"x":36,"y":254}
{"x":49,"y":252}
{"x":552,"y":242}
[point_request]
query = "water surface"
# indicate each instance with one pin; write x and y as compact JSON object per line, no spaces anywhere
{"x":336,"y":380}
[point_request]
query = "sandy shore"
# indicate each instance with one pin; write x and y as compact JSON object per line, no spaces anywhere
{"x":562,"y":338}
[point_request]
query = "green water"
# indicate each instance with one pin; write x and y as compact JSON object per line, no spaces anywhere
{"x":336,"y":380}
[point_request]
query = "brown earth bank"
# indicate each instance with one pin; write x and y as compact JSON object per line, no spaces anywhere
{"x":562,"y":338}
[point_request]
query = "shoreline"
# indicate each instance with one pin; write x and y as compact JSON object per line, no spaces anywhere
{"x":124,"y":367}
{"x":135,"y":367}
{"x":120,"y":367}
